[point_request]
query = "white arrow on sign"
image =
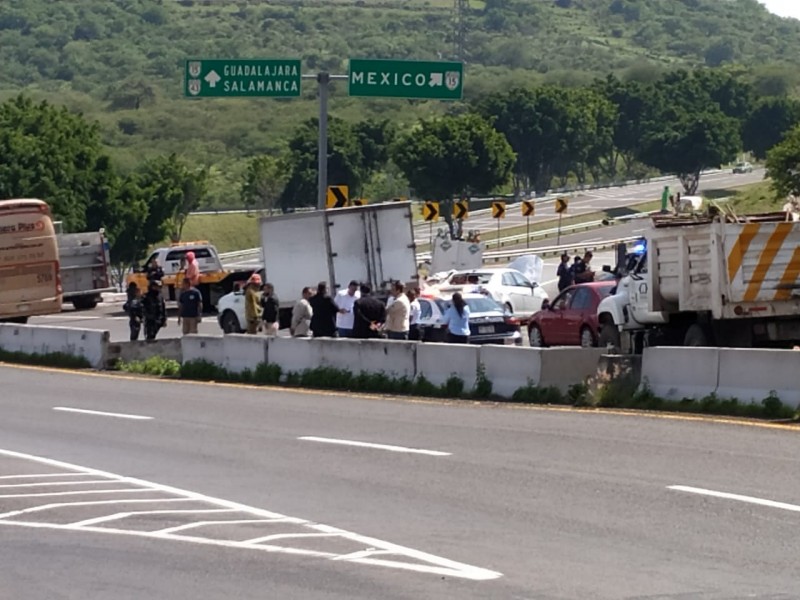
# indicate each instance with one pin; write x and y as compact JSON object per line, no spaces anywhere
{"x":212,"y":78}
{"x":436,"y":79}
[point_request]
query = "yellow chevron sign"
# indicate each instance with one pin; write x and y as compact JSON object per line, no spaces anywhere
{"x":337,"y":196}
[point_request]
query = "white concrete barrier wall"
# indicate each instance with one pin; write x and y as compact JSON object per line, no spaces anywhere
{"x":750,"y":375}
{"x":510,"y":368}
{"x":203,"y":347}
{"x":438,"y":362}
{"x":242,"y":352}
{"x":565,"y":367}
{"x":676,"y":373}
{"x":294,"y":354}
{"x":394,"y":358}
{"x":91,"y":344}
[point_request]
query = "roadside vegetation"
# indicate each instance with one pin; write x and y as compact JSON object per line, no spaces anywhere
{"x":620,"y":392}
{"x":59,"y":360}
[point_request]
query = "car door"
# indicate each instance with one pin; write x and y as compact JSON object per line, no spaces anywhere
{"x":554,"y":330}
{"x":521,"y":297}
{"x":573,"y":316}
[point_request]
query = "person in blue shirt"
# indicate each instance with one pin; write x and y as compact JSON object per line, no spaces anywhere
{"x":456,"y":318}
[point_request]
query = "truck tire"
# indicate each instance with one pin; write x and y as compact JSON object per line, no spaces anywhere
{"x":610,"y":338}
{"x":84,"y":302}
{"x":697,"y":336}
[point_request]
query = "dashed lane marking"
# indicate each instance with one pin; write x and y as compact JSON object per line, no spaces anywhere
{"x":736,"y":497}
{"x":249,"y":528}
{"x":101,"y":413}
{"x":311,"y":438}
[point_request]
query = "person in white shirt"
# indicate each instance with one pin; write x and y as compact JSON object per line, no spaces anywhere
{"x":397,"y":314}
{"x":414,"y":314}
{"x":345,"y":300}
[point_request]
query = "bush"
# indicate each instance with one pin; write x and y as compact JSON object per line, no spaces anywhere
{"x":203,"y":370}
{"x":49,"y":359}
{"x":155,"y":365}
{"x":483,"y":386}
{"x":533,"y":394}
{"x":453,"y":387}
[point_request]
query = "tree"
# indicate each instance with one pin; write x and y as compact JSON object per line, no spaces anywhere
{"x":264,"y":182}
{"x":454,"y":156}
{"x":769,"y":121}
{"x":783,"y":165}
{"x":172,"y":190}
{"x":52,"y":154}
{"x":685,"y":143}
{"x":344,"y":162}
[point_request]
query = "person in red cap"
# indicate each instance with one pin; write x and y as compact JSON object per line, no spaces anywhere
{"x":252,"y":303}
{"x":192,"y":269}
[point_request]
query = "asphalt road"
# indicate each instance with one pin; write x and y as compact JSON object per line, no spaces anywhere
{"x":495,"y":501}
{"x":593,"y":201}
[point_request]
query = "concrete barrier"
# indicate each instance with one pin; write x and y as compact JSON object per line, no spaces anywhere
{"x":203,"y":347}
{"x":392,"y":357}
{"x":565,"y":367}
{"x":750,"y":375}
{"x":169,"y":348}
{"x":91,"y":344}
{"x":243,"y":352}
{"x":675,"y":373}
{"x":293,"y":354}
{"x":438,"y":362}
{"x":510,"y":368}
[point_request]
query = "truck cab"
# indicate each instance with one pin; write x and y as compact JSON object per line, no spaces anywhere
{"x":625,"y":313}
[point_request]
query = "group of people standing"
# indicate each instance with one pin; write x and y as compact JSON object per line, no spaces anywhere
{"x":354,"y":312}
{"x":148,"y":309}
{"x":579,"y":271}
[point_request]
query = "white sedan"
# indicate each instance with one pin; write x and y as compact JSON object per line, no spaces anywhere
{"x":508,"y":287}
{"x":230,"y":312}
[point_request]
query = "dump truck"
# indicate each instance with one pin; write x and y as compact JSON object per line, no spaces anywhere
{"x":84,"y":268}
{"x":711,"y":280}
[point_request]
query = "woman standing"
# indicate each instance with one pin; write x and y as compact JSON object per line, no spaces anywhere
{"x":456,"y":318}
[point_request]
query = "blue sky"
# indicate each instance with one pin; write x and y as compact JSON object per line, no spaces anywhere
{"x":785,"y":8}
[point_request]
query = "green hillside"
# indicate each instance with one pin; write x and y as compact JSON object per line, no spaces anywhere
{"x":121,"y":61}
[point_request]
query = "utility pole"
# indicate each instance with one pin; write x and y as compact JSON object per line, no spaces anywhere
{"x":323,"y":79}
{"x":460,"y":9}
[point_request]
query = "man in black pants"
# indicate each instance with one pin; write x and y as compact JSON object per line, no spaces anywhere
{"x":369,"y":314}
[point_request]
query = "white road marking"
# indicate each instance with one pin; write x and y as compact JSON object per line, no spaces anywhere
{"x":77,"y":493}
{"x":286,"y":536}
{"x":123,"y":515}
{"x":103,"y":414}
{"x":311,"y":438}
{"x":52,"y":483}
{"x":737,"y":497}
{"x":231,"y":522}
{"x":397,"y":557}
{"x":37,"y":475}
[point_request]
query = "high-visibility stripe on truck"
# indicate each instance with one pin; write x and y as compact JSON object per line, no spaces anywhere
{"x":763,"y":260}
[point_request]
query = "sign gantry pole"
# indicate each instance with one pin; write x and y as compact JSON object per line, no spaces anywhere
{"x":323,"y":79}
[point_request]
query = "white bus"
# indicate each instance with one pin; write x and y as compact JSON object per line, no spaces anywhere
{"x":30,"y":283}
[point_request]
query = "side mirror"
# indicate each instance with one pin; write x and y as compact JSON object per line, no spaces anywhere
{"x":545,"y":304}
{"x":607,"y":268}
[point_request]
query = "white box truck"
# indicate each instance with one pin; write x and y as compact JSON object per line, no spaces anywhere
{"x":372,"y":244}
{"x":702,"y":281}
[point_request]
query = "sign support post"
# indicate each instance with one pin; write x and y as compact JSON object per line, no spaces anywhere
{"x":322,"y":143}
{"x":560,"y":215}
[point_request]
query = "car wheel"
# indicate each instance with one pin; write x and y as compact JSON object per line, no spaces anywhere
{"x":230,"y":323}
{"x":587,"y":338}
{"x":610,"y":338}
{"x":535,"y":337}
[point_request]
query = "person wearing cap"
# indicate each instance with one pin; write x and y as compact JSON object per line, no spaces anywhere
{"x":252,"y":303}
{"x":346,"y":300}
{"x":192,"y":269}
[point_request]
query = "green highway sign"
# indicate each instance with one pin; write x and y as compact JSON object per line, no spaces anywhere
{"x":229,"y":78}
{"x":406,"y":79}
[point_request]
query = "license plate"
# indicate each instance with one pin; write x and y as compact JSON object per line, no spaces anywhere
{"x":486,"y":329}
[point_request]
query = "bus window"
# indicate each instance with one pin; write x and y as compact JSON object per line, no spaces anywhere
{"x":30,"y":283}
